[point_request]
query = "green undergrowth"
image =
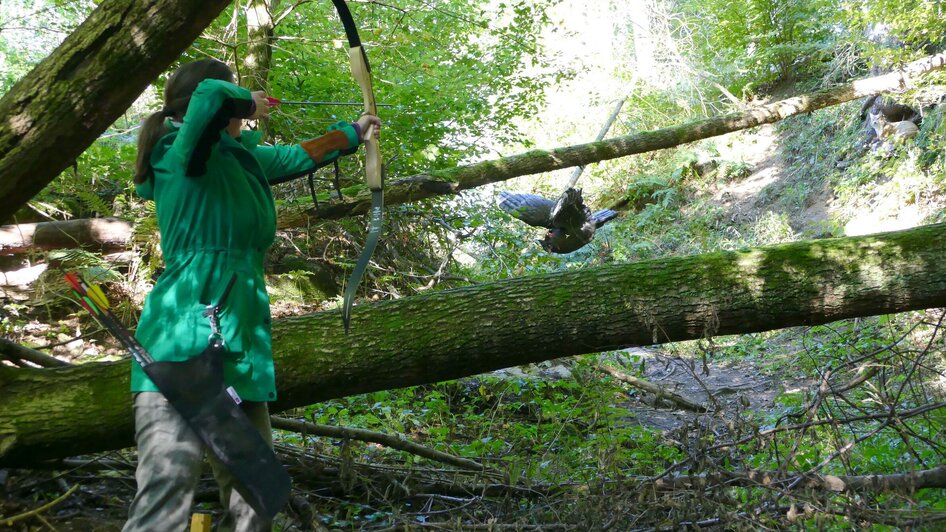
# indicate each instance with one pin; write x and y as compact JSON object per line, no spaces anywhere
{"x":578,"y":433}
{"x":849,"y":431}
{"x":825,"y":176}
{"x":537,"y":432}
{"x":539,"y":429}
{"x":905,"y":351}
{"x":823,"y":167}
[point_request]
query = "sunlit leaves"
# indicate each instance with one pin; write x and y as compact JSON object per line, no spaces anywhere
{"x":454,"y":74}
{"x":759,"y":42}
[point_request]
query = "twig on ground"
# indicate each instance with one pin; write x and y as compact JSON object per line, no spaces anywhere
{"x":900,"y":482}
{"x":648,"y":386}
{"x":389,"y":440}
{"x":868,"y":417}
{"x":37,"y":511}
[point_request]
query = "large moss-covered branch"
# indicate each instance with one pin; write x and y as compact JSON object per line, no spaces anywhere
{"x":47,"y":413}
{"x":57,"y":110}
{"x":455,"y":180}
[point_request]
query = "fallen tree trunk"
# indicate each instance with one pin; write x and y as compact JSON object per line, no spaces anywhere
{"x":103,"y":234}
{"x":454,"y":180}
{"x":57,"y":110}
{"x":48,"y":413}
{"x":394,"y":441}
{"x":17,"y":353}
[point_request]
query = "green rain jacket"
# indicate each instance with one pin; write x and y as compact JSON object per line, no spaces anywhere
{"x":217,"y":218}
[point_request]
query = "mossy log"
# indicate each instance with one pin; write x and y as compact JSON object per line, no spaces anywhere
{"x":59,"y":108}
{"x":49,"y":413}
{"x":103,"y":234}
{"x":455,"y":180}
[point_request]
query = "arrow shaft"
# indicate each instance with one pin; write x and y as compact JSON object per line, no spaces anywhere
{"x":351,"y":104}
{"x":93,"y":299}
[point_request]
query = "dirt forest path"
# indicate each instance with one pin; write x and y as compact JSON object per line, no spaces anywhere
{"x":726,"y":387}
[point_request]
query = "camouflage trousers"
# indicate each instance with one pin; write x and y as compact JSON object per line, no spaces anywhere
{"x":169,"y":463}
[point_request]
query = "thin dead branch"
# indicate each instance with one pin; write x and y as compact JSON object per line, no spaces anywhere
{"x":15,"y":352}
{"x":389,"y":440}
{"x":650,"y":387}
{"x":38,"y":511}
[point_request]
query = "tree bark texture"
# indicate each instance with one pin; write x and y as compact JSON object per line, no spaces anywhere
{"x":55,"y":112}
{"x":260,"y":30}
{"x":259,"y":54}
{"x":456,"y":180}
{"x":49,"y":413}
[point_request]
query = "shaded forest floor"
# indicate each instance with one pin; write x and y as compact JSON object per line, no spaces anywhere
{"x":728,"y":385}
{"x":106,"y":483}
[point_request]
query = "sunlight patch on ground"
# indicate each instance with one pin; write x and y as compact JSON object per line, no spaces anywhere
{"x":757,"y":148}
{"x":870,"y":222}
{"x":751,"y":186}
{"x":753,"y":146}
{"x":902,"y":201}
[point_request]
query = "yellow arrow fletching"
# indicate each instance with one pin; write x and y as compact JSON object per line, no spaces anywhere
{"x":98,"y":296}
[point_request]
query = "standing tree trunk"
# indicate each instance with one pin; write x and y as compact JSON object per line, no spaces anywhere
{"x":259,"y":53}
{"x":47,"y":413}
{"x":260,"y":29}
{"x":55,"y":112}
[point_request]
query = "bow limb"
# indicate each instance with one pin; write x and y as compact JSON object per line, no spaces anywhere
{"x":361,"y":71}
{"x":362,"y":74}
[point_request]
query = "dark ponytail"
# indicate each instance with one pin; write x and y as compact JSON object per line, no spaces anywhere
{"x":177,"y":95}
{"x":152,"y":129}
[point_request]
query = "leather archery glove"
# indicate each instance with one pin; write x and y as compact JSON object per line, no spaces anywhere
{"x":319,"y":147}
